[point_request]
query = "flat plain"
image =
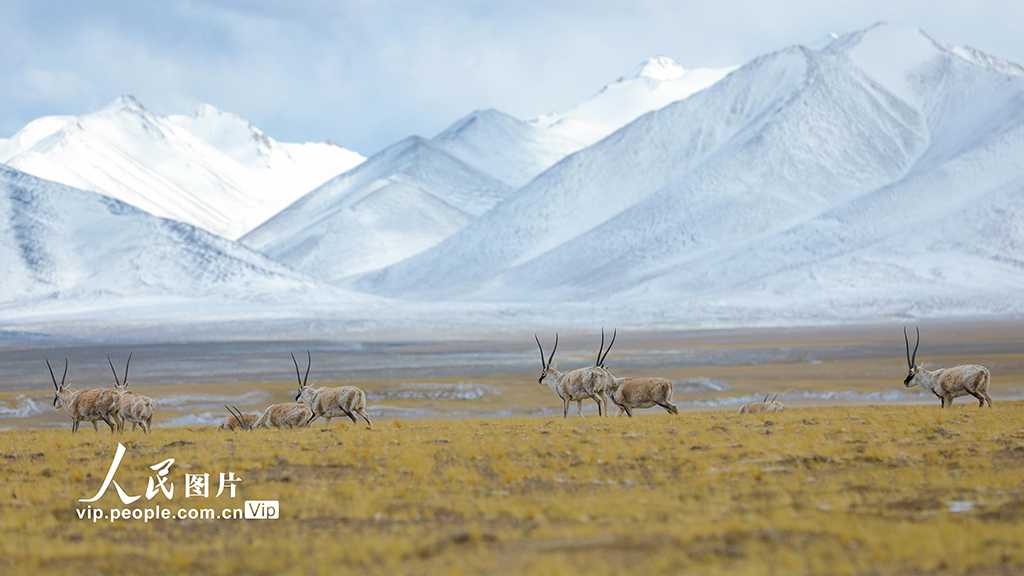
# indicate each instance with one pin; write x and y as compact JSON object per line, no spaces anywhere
{"x":815,"y":490}
{"x":858,"y":476}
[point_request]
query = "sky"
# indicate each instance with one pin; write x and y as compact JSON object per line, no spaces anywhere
{"x":366,"y":74}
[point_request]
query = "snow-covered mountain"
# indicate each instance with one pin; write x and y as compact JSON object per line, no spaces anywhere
{"x":67,"y":247}
{"x":408,"y":211}
{"x":654,"y":84}
{"x":883,"y":167}
{"x":401,"y":201}
{"x":877,"y":175}
{"x":210,"y":169}
{"x":505,"y":147}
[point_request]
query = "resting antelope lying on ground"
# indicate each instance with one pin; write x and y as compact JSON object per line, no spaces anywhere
{"x":629,"y":393}
{"x":948,"y":383}
{"x":135,"y":408}
{"x":576,"y":385}
{"x":763,"y":406}
{"x":288,"y":415}
{"x":330,"y":402}
{"x":238,"y":420}
{"x":85,"y":405}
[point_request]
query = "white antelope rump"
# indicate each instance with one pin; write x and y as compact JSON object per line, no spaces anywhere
{"x":763,"y":406}
{"x":330,"y":402}
{"x":135,"y":408}
{"x":237,"y":420}
{"x":91,"y":405}
{"x":629,"y":393}
{"x":579,"y":384}
{"x":948,"y":383}
{"x":287,"y":415}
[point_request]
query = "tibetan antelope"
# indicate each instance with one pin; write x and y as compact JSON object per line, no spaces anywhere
{"x":948,"y":383}
{"x":330,"y":402}
{"x":579,"y":384}
{"x":238,"y":420}
{"x":135,"y":408}
{"x":85,"y":405}
{"x":763,"y":406}
{"x":287,"y":415}
{"x":629,"y":393}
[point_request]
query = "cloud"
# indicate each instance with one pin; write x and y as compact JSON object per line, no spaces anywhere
{"x":367,"y":73}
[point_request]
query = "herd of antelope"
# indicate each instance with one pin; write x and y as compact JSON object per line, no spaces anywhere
{"x":117,"y":406}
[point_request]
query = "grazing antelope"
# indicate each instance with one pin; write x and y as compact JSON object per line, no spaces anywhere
{"x":629,"y":393}
{"x":135,"y":408}
{"x":330,"y":402}
{"x":577,"y":385}
{"x":763,"y":406}
{"x":948,"y":383}
{"x":288,"y":415}
{"x":238,"y":420}
{"x":85,"y":405}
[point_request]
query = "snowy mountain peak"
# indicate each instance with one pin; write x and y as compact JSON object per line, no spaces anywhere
{"x":468,"y":122}
{"x":660,"y":68}
{"x":210,"y":169}
{"x":229,"y":133}
{"x":128,"y":103}
{"x":905,"y":45}
{"x":656,"y":83}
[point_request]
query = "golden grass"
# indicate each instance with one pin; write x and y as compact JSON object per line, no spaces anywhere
{"x":850,"y":490}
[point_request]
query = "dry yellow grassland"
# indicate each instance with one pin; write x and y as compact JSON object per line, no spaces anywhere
{"x":824,"y":490}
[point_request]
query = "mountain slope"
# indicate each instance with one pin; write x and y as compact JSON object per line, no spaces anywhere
{"x":63,"y":245}
{"x":654,"y":84}
{"x":404,"y":217}
{"x":504,"y":147}
{"x":401,"y":201}
{"x":210,"y":169}
{"x":717,"y":195}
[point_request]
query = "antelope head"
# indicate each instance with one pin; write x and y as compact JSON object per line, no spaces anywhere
{"x":601,"y":359}
{"x":302,"y":381}
{"x":547,"y":368}
{"x":58,"y":388}
{"x":120,"y":386}
{"x":911,"y":360}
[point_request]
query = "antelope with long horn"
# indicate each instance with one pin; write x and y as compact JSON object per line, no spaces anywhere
{"x":579,"y":384}
{"x":92,"y":405}
{"x":947,"y":383}
{"x":237,"y":420}
{"x":135,"y":408}
{"x":763,"y":406}
{"x":330,"y":402}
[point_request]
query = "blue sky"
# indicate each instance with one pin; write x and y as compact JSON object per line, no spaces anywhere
{"x":368,"y":73}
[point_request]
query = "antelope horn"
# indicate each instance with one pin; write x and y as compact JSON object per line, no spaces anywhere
{"x":612,"y":343}
{"x":126,"y":365}
{"x":907,"y":340}
{"x":601,"y":349}
{"x":914,"y":359}
{"x":297,"y":375}
{"x":776,"y":396}
{"x":52,"y":377}
{"x":238,"y":416}
{"x":765,"y":399}
{"x":65,"y":375}
{"x":552,"y":357}
{"x":116,"y":381}
{"x":542,"y":363}
{"x":309,"y":362}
